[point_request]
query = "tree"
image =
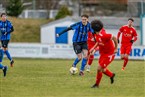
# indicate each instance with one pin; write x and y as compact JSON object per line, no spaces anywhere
{"x":14,"y":8}
{"x":63,"y":12}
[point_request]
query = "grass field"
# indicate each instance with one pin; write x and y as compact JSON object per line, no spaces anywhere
{"x":51,"y":78}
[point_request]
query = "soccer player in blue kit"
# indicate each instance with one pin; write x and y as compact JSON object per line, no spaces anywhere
{"x":6,"y":28}
{"x":4,"y":68}
{"x":80,"y":41}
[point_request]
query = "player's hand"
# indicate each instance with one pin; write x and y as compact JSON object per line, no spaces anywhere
{"x":131,"y":41}
{"x":91,"y":50}
{"x":115,"y":51}
{"x":118,"y":41}
{"x":57,"y":35}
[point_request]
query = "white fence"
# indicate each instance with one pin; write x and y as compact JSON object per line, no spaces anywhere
{"x":62,"y":51}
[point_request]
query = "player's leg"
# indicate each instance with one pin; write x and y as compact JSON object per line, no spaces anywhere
{"x":85,"y":57}
{"x":84,"y":61}
{"x":98,"y":77}
{"x":5,"y":49}
{"x":90,"y":58}
{"x":106,"y":61}
{"x":122,"y":52}
{"x":125,"y":61}
{"x":127,"y":52}
{"x":99,"y":72}
{"x":122,"y":56}
{"x":77,"y":50}
{"x":90,"y":61}
{"x":4,"y":68}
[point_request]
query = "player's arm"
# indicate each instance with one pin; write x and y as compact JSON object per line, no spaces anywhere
{"x":12,"y":29}
{"x":119,"y":33}
{"x":115,"y":42}
{"x":93,"y":48}
{"x":65,"y":30}
{"x":118,"y":36}
{"x":134,"y":37}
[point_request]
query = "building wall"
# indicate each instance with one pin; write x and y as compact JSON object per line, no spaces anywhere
{"x":48,"y":32}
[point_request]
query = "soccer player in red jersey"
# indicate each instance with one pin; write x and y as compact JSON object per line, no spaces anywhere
{"x":107,"y":48}
{"x":129,"y":36}
{"x":91,"y":42}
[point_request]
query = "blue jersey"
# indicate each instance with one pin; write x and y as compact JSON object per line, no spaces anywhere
{"x":5,"y":30}
{"x":81,"y":32}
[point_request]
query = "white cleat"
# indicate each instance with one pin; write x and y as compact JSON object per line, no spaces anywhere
{"x":88,"y":68}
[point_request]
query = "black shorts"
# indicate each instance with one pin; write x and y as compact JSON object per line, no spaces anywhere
{"x":4,"y":43}
{"x":78,"y":47}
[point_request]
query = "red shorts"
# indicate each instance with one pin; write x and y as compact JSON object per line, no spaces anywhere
{"x":125,"y":49}
{"x":105,"y":60}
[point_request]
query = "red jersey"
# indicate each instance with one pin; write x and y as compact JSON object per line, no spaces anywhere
{"x":128,"y":33}
{"x":108,"y":46}
{"x":91,"y":39}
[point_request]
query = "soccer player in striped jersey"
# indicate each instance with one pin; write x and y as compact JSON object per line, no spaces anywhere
{"x":129,"y":36}
{"x":80,"y":41}
{"x":6,"y":28}
{"x":107,"y":48}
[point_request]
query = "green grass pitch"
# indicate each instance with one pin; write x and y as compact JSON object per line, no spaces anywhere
{"x":51,"y":78}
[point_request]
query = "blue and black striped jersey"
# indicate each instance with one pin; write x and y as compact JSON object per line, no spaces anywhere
{"x":81,"y":32}
{"x":5,"y":29}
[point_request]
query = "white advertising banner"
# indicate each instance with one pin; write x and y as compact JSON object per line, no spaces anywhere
{"x":62,"y":51}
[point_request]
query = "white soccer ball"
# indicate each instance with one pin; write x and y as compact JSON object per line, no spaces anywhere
{"x":73,"y":70}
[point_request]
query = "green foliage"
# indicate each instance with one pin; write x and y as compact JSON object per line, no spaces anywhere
{"x":63,"y":12}
{"x":51,"y":78}
{"x":27,"y":30}
{"x":14,"y":8}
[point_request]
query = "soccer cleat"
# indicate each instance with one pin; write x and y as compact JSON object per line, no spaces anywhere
{"x":5,"y":70}
{"x":12,"y":63}
{"x":122,"y":68}
{"x":112,"y":78}
{"x":95,"y":86}
{"x":81,"y":73}
{"x":88,"y":68}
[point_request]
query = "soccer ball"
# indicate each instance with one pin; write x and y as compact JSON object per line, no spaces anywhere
{"x":73,"y":70}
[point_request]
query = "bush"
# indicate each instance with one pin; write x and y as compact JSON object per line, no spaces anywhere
{"x":63,"y":12}
{"x":14,"y":8}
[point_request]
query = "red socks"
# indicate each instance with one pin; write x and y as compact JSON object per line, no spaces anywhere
{"x":108,"y":73}
{"x":90,"y":60}
{"x":98,"y":78}
{"x":100,"y":74}
{"x":125,"y":62}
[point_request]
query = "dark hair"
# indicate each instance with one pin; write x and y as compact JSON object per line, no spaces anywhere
{"x":96,"y":25}
{"x":85,"y":15}
{"x":3,"y":14}
{"x":131,"y":19}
